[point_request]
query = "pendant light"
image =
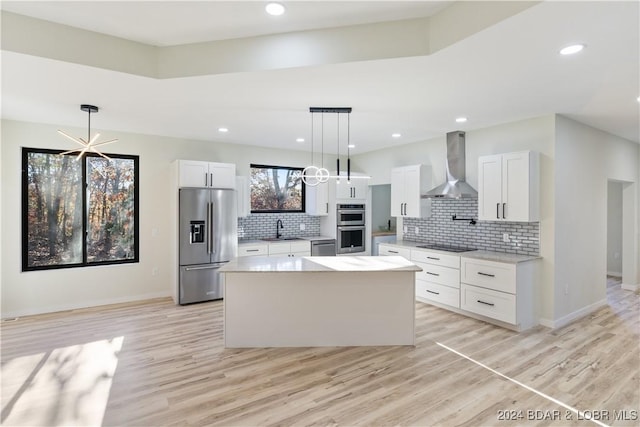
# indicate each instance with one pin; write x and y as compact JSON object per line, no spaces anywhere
{"x":90,"y":143}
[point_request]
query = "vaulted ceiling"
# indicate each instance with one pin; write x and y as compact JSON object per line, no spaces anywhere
{"x":185,"y":69}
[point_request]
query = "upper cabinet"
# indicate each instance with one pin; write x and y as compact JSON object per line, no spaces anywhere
{"x":196,"y":173}
{"x":356,"y":190}
{"x":509,"y":187}
{"x":317,"y":200}
{"x":407,"y":184}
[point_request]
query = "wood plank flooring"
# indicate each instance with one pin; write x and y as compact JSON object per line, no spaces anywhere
{"x":157,"y":364}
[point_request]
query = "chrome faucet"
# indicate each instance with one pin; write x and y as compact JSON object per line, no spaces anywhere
{"x":278,"y":227}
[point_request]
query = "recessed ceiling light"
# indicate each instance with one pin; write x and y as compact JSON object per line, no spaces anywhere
{"x":274,"y":9}
{"x":461,"y":119}
{"x":396,"y":135}
{"x":299,"y":139}
{"x":223,"y":130}
{"x":570,"y":50}
{"x":351,"y":145}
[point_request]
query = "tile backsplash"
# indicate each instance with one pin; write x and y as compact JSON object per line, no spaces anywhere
{"x":524,"y":237}
{"x":263,"y":225}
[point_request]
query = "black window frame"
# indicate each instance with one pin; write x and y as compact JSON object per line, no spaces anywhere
{"x":304,"y":189}
{"x":25,"y":209}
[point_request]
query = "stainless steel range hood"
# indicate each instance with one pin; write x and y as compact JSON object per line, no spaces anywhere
{"x":456,"y":186}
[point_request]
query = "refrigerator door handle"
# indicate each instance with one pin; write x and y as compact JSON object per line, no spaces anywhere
{"x":208,"y":267}
{"x":211,"y":234}
{"x":208,"y":237}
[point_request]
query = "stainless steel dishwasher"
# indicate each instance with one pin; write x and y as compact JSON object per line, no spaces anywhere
{"x":324,"y":247}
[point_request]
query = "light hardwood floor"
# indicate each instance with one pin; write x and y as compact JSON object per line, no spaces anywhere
{"x":157,"y":364}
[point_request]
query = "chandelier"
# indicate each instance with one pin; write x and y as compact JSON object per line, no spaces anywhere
{"x":90,"y":143}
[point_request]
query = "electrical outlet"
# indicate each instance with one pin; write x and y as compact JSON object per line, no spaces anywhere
{"x":303,"y":227}
{"x":505,"y":237}
{"x":566,"y":289}
{"x":417,"y":230}
{"x":155,"y":271}
{"x":154,"y":232}
{"x":405,"y":229}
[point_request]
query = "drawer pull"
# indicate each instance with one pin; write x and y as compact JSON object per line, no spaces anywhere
{"x":432,"y":274}
{"x":253,"y":250}
{"x":486,"y":274}
{"x":433,"y":292}
{"x":432,"y":257}
{"x":485,"y":303}
{"x":392,"y":252}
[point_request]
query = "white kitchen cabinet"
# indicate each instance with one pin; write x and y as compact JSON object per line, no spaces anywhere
{"x":317,"y":200}
{"x":391,"y":250}
{"x":356,"y":190}
{"x":290,"y":249}
{"x":508,"y":187}
{"x":253,"y":249}
{"x":439,"y":280}
{"x":196,"y":173}
{"x":501,"y":291}
{"x":407,"y":184}
{"x":243,"y":197}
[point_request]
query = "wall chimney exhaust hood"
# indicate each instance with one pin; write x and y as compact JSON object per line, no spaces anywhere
{"x":456,"y":186}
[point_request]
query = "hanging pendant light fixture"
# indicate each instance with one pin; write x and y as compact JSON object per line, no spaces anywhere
{"x":90,"y":143}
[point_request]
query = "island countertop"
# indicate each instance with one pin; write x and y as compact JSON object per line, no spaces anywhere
{"x":260,"y":264}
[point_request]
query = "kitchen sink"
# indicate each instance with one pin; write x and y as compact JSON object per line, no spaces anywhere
{"x":280,"y":239}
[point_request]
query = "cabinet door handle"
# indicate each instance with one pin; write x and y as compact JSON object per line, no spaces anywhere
{"x":206,"y":179}
{"x":211,"y":178}
{"x":504,"y":208}
{"x":432,"y":274}
{"x":327,"y":207}
{"x":486,"y":274}
{"x":498,"y":210}
{"x":434,"y":258}
{"x":433,"y":292}
{"x":485,"y":303}
{"x":393,"y":252}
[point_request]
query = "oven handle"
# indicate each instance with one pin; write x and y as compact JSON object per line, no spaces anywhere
{"x":351,"y":211}
{"x":351,"y":227}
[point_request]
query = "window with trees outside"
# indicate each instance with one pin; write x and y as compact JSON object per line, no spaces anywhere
{"x":78,"y":212}
{"x":276,"y":189}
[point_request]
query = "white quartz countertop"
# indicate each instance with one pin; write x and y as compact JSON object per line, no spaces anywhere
{"x":477,"y":254}
{"x":297,"y":239}
{"x":260,"y":264}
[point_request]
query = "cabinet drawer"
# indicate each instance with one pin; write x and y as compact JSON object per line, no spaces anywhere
{"x":304,"y":246}
{"x":252,"y":250}
{"x":437,"y":274}
{"x":494,"y":304}
{"x":394,"y":251}
{"x":452,"y":261}
{"x":279,"y":248}
{"x":438,"y":293}
{"x":488,"y":274}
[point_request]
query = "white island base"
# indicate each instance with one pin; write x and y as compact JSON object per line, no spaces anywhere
{"x":319,"y":301}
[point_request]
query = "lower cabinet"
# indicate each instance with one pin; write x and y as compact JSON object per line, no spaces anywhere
{"x":502,"y":291}
{"x":499,"y":290}
{"x":253,"y":249}
{"x":291,"y":249}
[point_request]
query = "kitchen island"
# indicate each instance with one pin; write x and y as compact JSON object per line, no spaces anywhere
{"x":319,"y":301}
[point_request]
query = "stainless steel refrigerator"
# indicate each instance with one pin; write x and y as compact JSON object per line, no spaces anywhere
{"x":208,"y":240}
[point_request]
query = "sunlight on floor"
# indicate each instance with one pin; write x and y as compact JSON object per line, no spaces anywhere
{"x":65,"y":386}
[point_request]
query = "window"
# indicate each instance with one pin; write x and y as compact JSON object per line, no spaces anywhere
{"x":58,"y":210}
{"x":276,"y":189}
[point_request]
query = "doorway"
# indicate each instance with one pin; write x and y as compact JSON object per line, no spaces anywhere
{"x":622,"y":237}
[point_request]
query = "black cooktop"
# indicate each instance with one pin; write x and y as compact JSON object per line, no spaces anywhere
{"x":446,"y":248}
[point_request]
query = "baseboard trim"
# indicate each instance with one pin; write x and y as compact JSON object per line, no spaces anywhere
{"x":565,"y":320}
{"x":630,"y":287}
{"x":84,"y":304}
{"x":614,"y":273}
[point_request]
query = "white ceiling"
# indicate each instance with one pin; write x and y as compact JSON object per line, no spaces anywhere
{"x":507,"y":72}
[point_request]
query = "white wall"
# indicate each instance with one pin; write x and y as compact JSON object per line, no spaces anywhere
{"x":586,"y":158}
{"x":614,"y":228}
{"x":45,"y":291}
{"x":532,"y":134}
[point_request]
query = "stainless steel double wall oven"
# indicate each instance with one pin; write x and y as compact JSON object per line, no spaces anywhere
{"x":350,"y":222}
